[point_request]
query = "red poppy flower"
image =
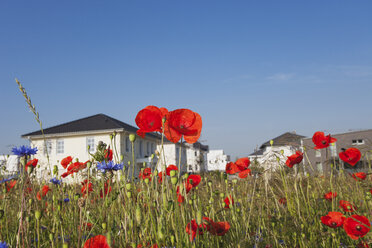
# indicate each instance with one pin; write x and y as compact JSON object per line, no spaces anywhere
{"x":65,"y":174}
{"x":322,"y":141}
{"x":347,"y":206}
{"x":360,"y":175}
{"x":183,"y":122}
{"x":231,"y":168}
{"x":98,"y":241}
{"x":160,"y":177}
{"x":294,"y":159}
{"x":180,"y":198}
{"x":240,"y":165}
{"x":227,"y":201}
{"x":217,"y":228}
{"x":149,"y":120}
{"x":87,"y":226}
{"x":356,"y":226}
{"x":283,"y":201}
{"x":45,"y":189}
{"x":192,"y":228}
{"x":146,"y":173}
{"x":32,"y":163}
{"x":107,"y":190}
{"x":350,"y":156}
{"x":87,"y":187}
{"x":330,"y":196}
{"x":66,"y":161}
{"x":108,"y":154}
{"x":333,"y":219}
{"x":10,"y":185}
{"x":170,"y":168}
{"x":244,"y":173}
{"x":192,"y":181}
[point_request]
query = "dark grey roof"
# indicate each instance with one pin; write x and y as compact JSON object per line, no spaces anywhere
{"x":92,"y":123}
{"x":285,"y":139}
{"x":257,"y":153}
{"x":200,"y":146}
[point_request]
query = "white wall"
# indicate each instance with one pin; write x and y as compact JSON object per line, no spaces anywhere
{"x":216,"y":160}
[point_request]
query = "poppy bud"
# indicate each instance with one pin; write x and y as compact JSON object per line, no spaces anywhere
{"x":282,"y":152}
{"x":193,"y":197}
{"x":199,"y":217}
{"x":104,"y":226}
{"x":30,"y":169}
{"x":51,"y":236}
{"x":152,"y":156}
{"x":211,"y":200}
{"x":172,"y":173}
{"x":209,"y":183}
{"x":128,"y":162}
{"x":121,"y":157}
{"x":128,"y":186}
{"x":59,"y":207}
{"x":160,"y":233}
{"x":174,"y":180}
{"x":129,"y":194}
{"x":222,"y":195}
{"x":37,"y":215}
{"x":55,"y":170}
{"x":271,"y":142}
{"x":172,"y":239}
{"x":30,"y":201}
{"x":89,"y":164}
{"x":190,"y":202}
{"x":138,"y":215}
{"x":147,"y":180}
{"x":65,"y":245}
{"x":156,"y":172}
{"x":186,"y":175}
{"x":111,"y":136}
{"x":132,"y":137}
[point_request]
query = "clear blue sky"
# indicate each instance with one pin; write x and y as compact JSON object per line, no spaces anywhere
{"x":252,"y":69}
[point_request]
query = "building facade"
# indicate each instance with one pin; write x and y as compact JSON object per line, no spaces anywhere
{"x":80,"y":138}
{"x":319,"y":161}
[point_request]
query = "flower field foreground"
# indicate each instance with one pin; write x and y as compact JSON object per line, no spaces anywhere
{"x":167,"y":209}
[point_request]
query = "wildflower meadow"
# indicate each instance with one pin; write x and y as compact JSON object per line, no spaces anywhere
{"x":109,"y":206}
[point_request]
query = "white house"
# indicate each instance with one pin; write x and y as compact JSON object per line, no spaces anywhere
{"x":273,"y":153}
{"x":73,"y":139}
{"x":217,"y":160}
{"x":9,"y":164}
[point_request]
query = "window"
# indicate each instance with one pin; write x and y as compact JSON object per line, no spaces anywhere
{"x":319,"y":167}
{"x":358,"y":142}
{"x":148,"y":148}
{"x":152,"y":148}
{"x":60,"y":147}
{"x":318,"y":153}
{"x":91,"y":145}
{"x":196,"y":153}
{"x":140,"y":148}
{"x":190,"y":167}
{"x":177,"y":151}
{"x":127,"y":144}
{"x":48,"y":147}
{"x":333,"y":150}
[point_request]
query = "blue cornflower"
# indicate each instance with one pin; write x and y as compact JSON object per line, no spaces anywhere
{"x":24,"y":150}
{"x":55,"y":181}
{"x":3,"y":245}
{"x":66,"y":200}
{"x":6,"y":180}
{"x":103,"y":166}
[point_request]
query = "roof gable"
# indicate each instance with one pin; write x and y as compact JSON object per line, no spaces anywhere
{"x":91,"y":123}
{"x":285,"y":139}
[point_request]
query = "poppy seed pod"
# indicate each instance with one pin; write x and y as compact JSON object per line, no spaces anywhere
{"x":174,"y":180}
{"x":104,"y":226}
{"x":147,"y":180}
{"x":37,"y":215}
{"x":209,"y":183}
{"x":132,"y":137}
{"x":271,"y":142}
{"x":172,"y":173}
{"x":128,"y":186}
{"x":129,"y":194}
{"x":55,"y":170}
{"x":138,"y":215}
{"x":89,"y":164}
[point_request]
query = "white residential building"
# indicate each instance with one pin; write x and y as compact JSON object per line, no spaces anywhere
{"x":269,"y":156}
{"x":217,"y":160}
{"x":73,"y":139}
